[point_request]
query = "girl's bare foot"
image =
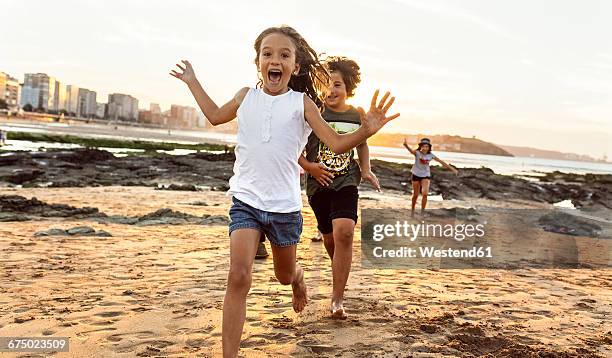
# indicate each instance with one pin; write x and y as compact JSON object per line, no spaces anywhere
{"x":338,"y":310}
{"x":300,"y":297}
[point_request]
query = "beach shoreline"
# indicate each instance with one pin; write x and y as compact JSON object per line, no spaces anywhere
{"x":158,"y":290}
{"x":143,"y":272}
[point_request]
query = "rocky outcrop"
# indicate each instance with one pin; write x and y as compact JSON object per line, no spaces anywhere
{"x":198,"y":171}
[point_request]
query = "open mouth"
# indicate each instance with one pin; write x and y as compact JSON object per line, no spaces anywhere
{"x":274,"y":76}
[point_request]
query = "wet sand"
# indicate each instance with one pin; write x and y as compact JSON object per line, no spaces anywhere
{"x":158,"y":291}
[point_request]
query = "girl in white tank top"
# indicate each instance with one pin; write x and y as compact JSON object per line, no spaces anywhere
{"x":274,"y":122}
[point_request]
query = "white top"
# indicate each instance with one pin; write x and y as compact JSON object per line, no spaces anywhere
{"x":421,"y":164}
{"x":272,"y":133}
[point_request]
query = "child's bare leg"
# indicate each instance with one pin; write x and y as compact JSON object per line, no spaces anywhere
{"x":425,"y":192}
{"x":243,"y":246}
{"x":341,"y":263}
{"x":328,"y":241}
{"x":288,"y":271}
{"x":416,"y":188}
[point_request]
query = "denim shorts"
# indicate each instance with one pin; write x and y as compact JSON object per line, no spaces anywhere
{"x":282,"y":229}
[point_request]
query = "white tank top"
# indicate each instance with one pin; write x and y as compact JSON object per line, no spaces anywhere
{"x":272,"y":133}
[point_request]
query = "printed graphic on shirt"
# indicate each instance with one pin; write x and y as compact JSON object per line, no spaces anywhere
{"x":337,"y":164}
{"x":424,"y":161}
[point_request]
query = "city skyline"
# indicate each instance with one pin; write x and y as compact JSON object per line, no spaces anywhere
{"x":525,"y":74}
{"x":41,"y":92}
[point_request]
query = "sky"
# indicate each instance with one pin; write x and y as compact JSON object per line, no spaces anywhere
{"x":526,"y":73}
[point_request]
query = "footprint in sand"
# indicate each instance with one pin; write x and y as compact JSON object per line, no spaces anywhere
{"x":85,"y":333}
{"x":277,"y":337}
{"x":199,"y":343}
{"x":153,"y":347}
{"x":107,"y":322}
{"x":251,"y":342}
{"x":316,"y":347}
{"x":378,"y":320}
{"x":140,"y":309}
{"x":583,"y":306}
{"x":202,"y":330}
{"x":139,"y":335}
{"x":110,"y":314}
{"x":109,"y":303}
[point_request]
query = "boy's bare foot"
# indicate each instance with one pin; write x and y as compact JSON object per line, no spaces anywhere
{"x":319,"y":237}
{"x":300,"y":297}
{"x":337,"y":310}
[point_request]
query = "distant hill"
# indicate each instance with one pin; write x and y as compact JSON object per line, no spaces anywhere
{"x":548,"y":154}
{"x":446,"y":143}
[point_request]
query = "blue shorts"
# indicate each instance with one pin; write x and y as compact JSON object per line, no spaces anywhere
{"x":282,"y":229}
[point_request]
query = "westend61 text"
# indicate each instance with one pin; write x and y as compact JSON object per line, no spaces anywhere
{"x":432,"y":252}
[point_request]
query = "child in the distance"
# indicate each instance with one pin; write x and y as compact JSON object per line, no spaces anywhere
{"x":421,"y":174}
{"x":274,"y":121}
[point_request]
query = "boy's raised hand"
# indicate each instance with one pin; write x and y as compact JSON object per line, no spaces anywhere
{"x":186,"y":75}
{"x":376,"y":117}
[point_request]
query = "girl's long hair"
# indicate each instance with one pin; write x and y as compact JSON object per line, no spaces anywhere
{"x":313,"y":78}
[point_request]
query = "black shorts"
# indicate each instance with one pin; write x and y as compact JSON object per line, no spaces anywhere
{"x":418,"y":178}
{"x":329,"y":204}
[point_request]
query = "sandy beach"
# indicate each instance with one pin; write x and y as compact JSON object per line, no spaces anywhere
{"x":158,"y":290}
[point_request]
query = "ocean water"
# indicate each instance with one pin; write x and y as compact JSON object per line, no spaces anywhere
{"x":499,"y":164}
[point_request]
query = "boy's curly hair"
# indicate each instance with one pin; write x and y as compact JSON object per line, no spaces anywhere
{"x":348,"y":69}
{"x":313,"y":78}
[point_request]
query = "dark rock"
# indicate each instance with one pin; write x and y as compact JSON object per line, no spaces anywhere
{"x":20,"y":176}
{"x":92,"y":167}
{"x":198,"y":203}
{"x":10,"y":158}
{"x":118,"y":219}
{"x":563,"y":223}
{"x":215,"y":220}
{"x":88,"y":155}
{"x":6,"y":217}
{"x":222,"y":187}
{"x":81,"y":230}
{"x":15,"y":204}
{"x":103,"y":233}
{"x":179,"y":187}
{"x":75,"y":231}
{"x":167,"y":213}
{"x":52,"y":232}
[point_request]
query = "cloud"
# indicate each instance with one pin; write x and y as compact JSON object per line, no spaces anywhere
{"x":448,"y":11}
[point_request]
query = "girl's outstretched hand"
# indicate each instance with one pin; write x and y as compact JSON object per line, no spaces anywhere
{"x":376,"y":117}
{"x":186,"y":75}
